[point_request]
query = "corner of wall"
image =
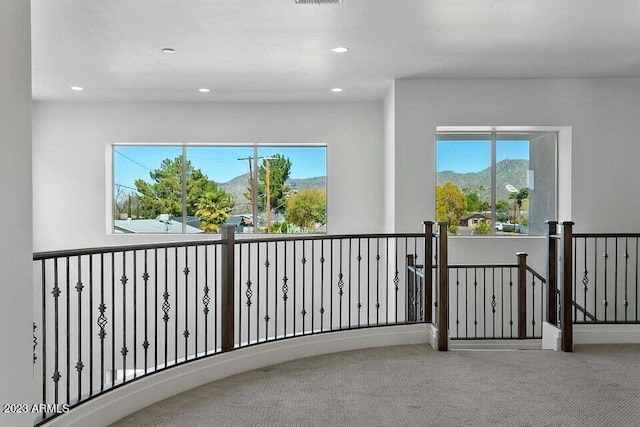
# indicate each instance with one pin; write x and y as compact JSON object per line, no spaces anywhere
{"x":388,"y":161}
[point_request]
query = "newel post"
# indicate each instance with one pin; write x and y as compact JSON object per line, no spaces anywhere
{"x":443,"y":284}
{"x":522,"y":295}
{"x":567,"y":280}
{"x":227,"y":278}
{"x":428,"y":271}
{"x":552,"y":273}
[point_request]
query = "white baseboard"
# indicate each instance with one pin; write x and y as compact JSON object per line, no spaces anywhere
{"x":494,"y":344}
{"x":551,"y":337}
{"x":130,"y":398}
{"x":606,"y":334}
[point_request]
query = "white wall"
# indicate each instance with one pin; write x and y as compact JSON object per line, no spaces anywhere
{"x":389,"y":164}
{"x":15,"y":199}
{"x":602,"y":113}
{"x":69,"y":157}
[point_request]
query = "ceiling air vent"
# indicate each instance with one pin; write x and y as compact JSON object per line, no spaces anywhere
{"x":318,"y":1}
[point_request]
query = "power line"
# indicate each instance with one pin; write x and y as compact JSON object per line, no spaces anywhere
{"x":133,"y":161}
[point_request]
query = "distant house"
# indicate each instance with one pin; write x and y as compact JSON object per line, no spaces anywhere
{"x":474,"y":218}
{"x":243,"y":223}
{"x":162,"y":224}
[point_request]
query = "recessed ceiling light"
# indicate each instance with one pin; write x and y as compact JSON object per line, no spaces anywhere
{"x":77,"y":88}
{"x":204,"y":90}
{"x":168,"y":50}
{"x":340,"y":49}
{"x":336,"y":89}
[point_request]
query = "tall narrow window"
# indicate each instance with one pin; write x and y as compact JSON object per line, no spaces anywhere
{"x":197,"y":189}
{"x":496,"y":183}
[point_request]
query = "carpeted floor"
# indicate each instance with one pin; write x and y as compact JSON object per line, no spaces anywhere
{"x":417,"y":386}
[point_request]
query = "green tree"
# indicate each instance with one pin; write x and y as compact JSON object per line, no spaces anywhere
{"x":451,"y":205}
{"x":279,"y":170}
{"x":163,"y":195}
{"x":213,"y":209}
{"x":307,"y":208}
{"x":502,"y":210}
{"x":483,"y":227}
{"x":518,"y":198}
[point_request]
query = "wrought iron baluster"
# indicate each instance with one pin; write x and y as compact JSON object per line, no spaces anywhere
{"x":533,"y":307}
{"x":195,"y":300}
{"x":466,"y":303}
{"x":135,"y":314}
{"x":377,"y":281}
{"x":350,"y":283}
{"x":493,"y":302}
{"x":44,"y":335}
{"x":258,"y":286}
{"x":215,"y":298}
{"x":331,"y":287}
{"x":102,"y":322}
{"x":313,"y":293}
{"x":166,"y":307}
{"x":275,"y":293}
{"x":615,"y":284}
{"x":605,"y":303}
{"x":124,"y":351}
{"x":340,"y":283}
{"x":79,"y":364}
{"x":626,"y":278}
{"x":502,"y":302}
{"x":475,"y":302}
{"x":295,"y":257}
{"x":267,"y":264}
{"x":511,"y":302}
{"x":637,"y":296}
{"x":155,"y":305}
{"x":176,"y":308}
{"x":186,"y":334}
{"x":585,"y":280}
{"x":285,"y":290}
{"x":56,"y":295}
{"x":396,"y":279}
{"x":90,"y":325}
{"x":322,"y":260}
{"x":68,"y":328}
{"x":359,"y":259}
{"x":249,"y":293}
{"x":457,"y":303}
{"x":206,"y":299}
{"x":304,"y":299}
{"x":145,"y":343}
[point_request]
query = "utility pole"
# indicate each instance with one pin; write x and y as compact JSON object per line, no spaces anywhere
{"x":251,"y":184}
{"x":268,"y":192}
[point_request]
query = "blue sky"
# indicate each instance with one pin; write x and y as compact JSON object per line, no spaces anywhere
{"x":219,"y":163}
{"x":474,"y":156}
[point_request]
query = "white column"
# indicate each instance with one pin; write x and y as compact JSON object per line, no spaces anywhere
{"x":16,"y":278}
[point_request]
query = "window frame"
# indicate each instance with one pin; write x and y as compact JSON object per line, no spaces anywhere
{"x":562,"y":165}
{"x":184,"y":146}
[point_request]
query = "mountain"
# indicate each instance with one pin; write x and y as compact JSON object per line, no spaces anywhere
{"x":512,"y":172}
{"x":239,"y":186}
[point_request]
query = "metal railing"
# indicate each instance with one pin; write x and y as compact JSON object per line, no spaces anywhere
{"x":595,"y":278}
{"x":108,"y":316}
{"x":478,"y":301}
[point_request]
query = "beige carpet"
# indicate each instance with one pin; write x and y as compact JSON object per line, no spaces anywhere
{"x":416,"y":386}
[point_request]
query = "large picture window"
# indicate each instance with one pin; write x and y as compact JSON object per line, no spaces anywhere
{"x":496,"y":183}
{"x":196,"y":188}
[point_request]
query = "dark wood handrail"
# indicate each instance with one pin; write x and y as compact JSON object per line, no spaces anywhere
{"x":191,"y":243}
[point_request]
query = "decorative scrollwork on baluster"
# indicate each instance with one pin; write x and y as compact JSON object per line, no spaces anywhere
{"x":35,"y":342}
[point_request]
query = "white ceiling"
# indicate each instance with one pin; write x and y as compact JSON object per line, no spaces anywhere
{"x":275,"y":50}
